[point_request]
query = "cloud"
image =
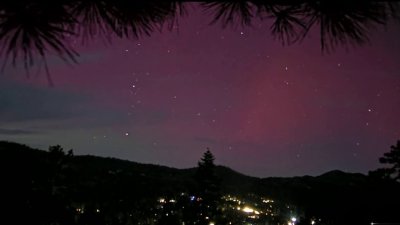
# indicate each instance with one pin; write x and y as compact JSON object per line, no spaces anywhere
{"x":4,"y":131}
{"x":53,"y":61}
{"x":21,"y":102}
{"x":24,"y":107}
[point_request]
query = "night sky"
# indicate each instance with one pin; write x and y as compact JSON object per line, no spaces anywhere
{"x":264,"y":109}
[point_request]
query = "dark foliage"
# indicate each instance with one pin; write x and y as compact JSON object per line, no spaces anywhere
{"x":208,"y":184}
{"x":31,"y":29}
{"x":392,"y":159}
{"x":41,"y":190}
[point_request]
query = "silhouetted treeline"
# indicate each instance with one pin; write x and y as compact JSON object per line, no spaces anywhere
{"x":31,"y":29}
{"x":392,"y":161}
{"x":58,"y":187}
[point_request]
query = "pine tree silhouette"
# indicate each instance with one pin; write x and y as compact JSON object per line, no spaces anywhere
{"x":208,"y":184}
{"x":32,"y":29}
{"x":392,"y":158}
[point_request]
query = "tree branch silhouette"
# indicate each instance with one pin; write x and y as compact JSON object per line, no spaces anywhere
{"x":31,"y":29}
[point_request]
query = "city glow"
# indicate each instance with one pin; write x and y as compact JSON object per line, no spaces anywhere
{"x":268,"y":201}
{"x":248,"y":210}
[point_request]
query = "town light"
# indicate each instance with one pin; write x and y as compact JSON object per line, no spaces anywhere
{"x":247,"y":210}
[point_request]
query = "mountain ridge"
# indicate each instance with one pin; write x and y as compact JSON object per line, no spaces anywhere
{"x":18,"y":146}
{"x":41,"y":176}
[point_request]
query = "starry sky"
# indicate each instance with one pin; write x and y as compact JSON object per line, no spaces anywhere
{"x":263,"y":109}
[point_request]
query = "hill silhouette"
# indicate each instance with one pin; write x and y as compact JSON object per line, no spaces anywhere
{"x":39,"y":177}
{"x":89,"y":168}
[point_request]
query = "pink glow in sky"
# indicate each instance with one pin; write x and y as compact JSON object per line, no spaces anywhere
{"x":264,"y":109}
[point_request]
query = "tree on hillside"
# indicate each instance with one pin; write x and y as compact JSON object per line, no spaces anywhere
{"x":58,"y":155}
{"x":208,"y":183}
{"x":391,"y":158}
{"x":205,"y":175}
{"x":59,"y":162}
